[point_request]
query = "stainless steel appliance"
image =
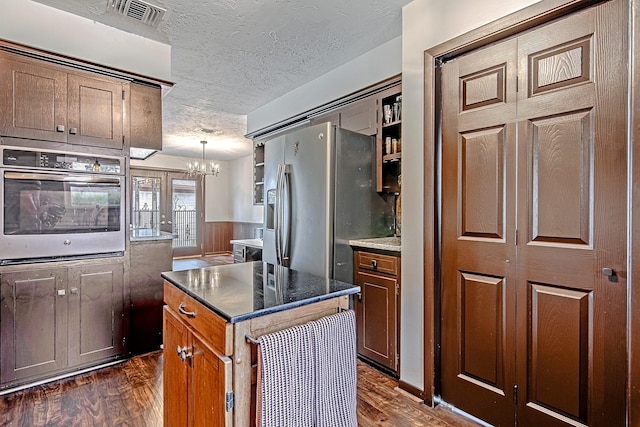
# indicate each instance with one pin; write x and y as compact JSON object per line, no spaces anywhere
{"x":58,"y":205}
{"x":319,"y":194}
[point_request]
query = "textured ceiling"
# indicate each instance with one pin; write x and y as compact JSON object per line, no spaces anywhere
{"x":232,"y":56}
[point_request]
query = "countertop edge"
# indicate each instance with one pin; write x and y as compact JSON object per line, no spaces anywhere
{"x":262,"y":312}
{"x":161,"y":236}
{"x":372,"y":245}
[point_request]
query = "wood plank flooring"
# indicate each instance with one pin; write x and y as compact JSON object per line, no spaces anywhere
{"x":130,"y":394}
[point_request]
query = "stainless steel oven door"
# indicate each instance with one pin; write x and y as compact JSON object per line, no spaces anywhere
{"x":59,"y":214}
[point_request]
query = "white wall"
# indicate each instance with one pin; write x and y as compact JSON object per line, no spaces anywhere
{"x":218,"y":204}
{"x":36,"y":25}
{"x":426,"y":23}
{"x":368,"y":69}
{"x":241,"y":191}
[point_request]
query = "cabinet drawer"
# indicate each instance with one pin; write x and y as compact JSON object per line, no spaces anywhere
{"x":377,"y":262}
{"x":210,"y":326}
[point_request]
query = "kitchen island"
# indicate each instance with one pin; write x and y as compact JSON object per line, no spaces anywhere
{"x":211,"y":316}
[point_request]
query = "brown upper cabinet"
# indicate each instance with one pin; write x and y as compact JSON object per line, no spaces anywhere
{"x":359,"y":116}
{"x":52,"y":103}
{"x":146,"y":116}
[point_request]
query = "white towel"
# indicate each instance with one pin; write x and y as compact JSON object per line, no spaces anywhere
{"x":336,"y":371}
{"x":286,"y":378}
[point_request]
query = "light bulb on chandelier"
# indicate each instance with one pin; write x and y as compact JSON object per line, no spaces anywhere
{"x":203,"y":167}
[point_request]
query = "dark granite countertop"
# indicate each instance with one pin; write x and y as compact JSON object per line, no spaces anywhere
{"x":239,"y":292}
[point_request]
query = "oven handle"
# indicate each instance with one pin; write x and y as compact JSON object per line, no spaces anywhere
{"x":62,"y":177}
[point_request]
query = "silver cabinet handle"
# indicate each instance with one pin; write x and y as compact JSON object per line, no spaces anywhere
{"x":73,"y":131}
{"x":74,"y":291}
{"x":60,"y":128}
{"x":61,"y":292}
{"x":184,"y":355}
{"x":181,"y":309}
{"x":608,"y":272}
{"x":169,"y":222}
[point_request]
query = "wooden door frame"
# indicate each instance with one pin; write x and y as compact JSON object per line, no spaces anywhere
{"x":510,"y":25}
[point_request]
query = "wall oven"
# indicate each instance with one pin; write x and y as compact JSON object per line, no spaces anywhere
{"x":60,"y":205}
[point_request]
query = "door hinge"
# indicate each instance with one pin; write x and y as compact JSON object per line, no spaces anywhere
{"x":229,"y":401}
{"x":515,"y":394}
{"x":123,"y":95}
{"x":515,"y":237}
{"x":397,"y":360}
{"x":397,"y":289}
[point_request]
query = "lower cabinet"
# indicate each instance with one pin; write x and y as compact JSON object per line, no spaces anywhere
{"x":377,"y":308}
{"x":148,"y":260}
{"x":55,"y":319}
{"x":197,"y":377}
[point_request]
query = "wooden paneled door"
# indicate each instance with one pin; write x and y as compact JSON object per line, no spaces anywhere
{"x":534,"y":169}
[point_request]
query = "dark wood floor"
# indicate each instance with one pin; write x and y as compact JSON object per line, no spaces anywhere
{"x":130,"y":394}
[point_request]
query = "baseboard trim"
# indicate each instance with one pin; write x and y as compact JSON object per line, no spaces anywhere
{"x":415,"y":391}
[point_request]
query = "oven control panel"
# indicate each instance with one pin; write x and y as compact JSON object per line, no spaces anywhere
{"x":52,"y":160}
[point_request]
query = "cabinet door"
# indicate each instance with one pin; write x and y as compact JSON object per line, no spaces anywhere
{"x":210,"y":379}
{"x":33,"y":323}
{"x":33,"y":101}
{"x":95,"y":111}
{"x":149,"y":258}
{"x":377,"y":318}
{"x":146,"y":117}
{"x":360,"y":117}
{"x":96,"y":304}
{"x":174,"y":370}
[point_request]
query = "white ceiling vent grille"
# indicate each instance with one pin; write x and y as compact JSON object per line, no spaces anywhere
{"x":139,"y":10}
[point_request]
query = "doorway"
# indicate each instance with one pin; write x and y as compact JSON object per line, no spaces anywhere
{"x":534,"y":228}
{"x":170,"y":202}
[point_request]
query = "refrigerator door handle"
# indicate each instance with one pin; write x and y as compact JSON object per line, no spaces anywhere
{"x":277,"y":218}
{"x":286,"y":215}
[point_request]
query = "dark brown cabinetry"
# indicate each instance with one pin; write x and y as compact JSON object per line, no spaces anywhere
{"x":33,"y":318}
{"x":146,"y":116}
{"x":54,"y":319}
{"x":96,"y":304}
{"x":389,"y":140}
{"x":377,"y":310}
{"x":359,"y":116}
{"x":148,"y":260}
{"x":197,"y":377}
{"x":53,"y":103}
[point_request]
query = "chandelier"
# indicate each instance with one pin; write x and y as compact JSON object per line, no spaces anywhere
{"x":203,"y":167}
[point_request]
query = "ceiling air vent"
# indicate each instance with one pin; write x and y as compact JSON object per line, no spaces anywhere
{"x":141,"y":11}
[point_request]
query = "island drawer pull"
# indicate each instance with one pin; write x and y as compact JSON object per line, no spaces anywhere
{"x":186,"y":313}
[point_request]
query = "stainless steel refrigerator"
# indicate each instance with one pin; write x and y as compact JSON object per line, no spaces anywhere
{"x":319,"y":194}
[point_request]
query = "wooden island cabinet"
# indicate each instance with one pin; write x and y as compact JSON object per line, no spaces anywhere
{"x":211,"y":316}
